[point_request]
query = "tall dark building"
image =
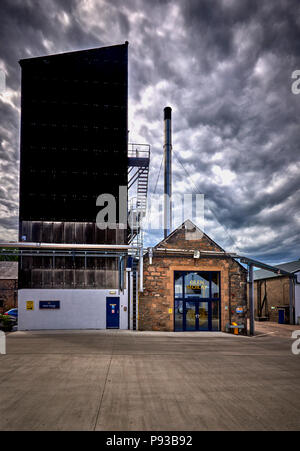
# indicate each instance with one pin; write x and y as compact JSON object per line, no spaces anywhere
{"x":74,"y":143}
{"x":73,"y":134}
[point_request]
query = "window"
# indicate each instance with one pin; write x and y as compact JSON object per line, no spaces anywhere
{"x":178,"y":286}
{"x":215,"y":309}
{"x":178,"y":315}
{"x":215,"y":285}
{"x":197,"y":285}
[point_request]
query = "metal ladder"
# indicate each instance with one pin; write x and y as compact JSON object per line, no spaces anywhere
{"x":138,"y":180}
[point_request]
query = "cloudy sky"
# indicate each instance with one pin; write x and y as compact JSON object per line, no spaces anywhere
{"x":225,"y":68}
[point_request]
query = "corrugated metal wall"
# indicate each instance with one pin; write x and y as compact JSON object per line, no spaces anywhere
{"x":69,"y":272}
{"x":104,"y":278}
{"x":70,"y":233}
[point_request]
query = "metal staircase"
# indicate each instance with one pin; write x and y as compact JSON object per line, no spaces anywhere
{"x":138,"y":179}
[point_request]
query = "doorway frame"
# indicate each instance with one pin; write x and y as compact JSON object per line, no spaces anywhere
{"x":109,"y":300}
{"x":197,"y":300}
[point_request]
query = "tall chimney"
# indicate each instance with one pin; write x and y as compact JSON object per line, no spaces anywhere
{"x":168,"y":171}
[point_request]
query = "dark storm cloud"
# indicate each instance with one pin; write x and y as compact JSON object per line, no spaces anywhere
{"x":224,"y":66}
{"x":26,"y":28}
{"x":25,"y":24}
{"x":248,"y":104}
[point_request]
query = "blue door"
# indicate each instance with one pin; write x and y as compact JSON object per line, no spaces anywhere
{"x":197,"y":316}
{"x":281,"y":316}
{"x":113,"y":313}
{"x":197,"y":301}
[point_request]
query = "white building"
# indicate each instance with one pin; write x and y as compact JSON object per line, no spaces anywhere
{"x":68,"y":309}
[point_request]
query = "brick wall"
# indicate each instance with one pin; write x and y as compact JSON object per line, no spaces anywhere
{"x":189,"y":239}
{"x":156,"y":304}
{"x":8,"y":294}
{"x":157,"y":301}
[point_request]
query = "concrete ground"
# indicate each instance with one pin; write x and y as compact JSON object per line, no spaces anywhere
{"x":279,"y":330}
{"x":116,"y":381}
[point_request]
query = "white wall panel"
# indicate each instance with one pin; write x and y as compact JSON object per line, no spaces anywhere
{"x":79,"y":309}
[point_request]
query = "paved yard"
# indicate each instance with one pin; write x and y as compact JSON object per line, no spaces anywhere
{"x":279,"y":330}
{"x":147,"y":381}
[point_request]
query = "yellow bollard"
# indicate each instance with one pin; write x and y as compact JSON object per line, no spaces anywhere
{"x":236,"y":330}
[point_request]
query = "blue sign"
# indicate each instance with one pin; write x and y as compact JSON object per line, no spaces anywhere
{"x":49,"y":305}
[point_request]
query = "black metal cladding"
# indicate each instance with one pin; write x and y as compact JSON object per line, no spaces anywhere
{"x":74,"y":141}
{"x":74,"y":133}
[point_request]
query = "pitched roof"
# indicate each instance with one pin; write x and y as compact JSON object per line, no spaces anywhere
{"x":193,"y":234}
{"x":8,"y":270}
{"x":289,"y":267}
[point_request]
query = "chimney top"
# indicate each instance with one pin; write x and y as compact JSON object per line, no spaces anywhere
{"x":168,"y":113}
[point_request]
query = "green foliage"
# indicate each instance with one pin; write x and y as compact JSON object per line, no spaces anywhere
{"x":5,"y":319}
{"x":10,"y":258}
{"x":6,"y":323}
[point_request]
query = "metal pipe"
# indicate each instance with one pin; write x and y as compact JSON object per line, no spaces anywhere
{"x":67,"y":246}
{"x":251,"y":299}
{"x":128,"y":272}
{"x":168,"y":171}
{"x":141,"y":271}
{"x":121,"y":275}
{"x":192,"y":251}
{"x":119,"y":272}
{"x":132,"y":301}
{"x":150,"y":250}
{"x":137,"y":302}
{"x":261,"y":265}
{"x":51,"y":253}
{"x":292,"y":291}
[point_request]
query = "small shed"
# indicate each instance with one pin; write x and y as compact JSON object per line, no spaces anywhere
{"x":274,"y":294}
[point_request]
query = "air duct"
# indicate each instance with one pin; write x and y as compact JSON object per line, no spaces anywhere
{"x":168,"y":172}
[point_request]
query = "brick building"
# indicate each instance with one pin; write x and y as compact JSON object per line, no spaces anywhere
{"x":275,"y":294}
{"x":191,"y":284}
{"x":8,"y":285}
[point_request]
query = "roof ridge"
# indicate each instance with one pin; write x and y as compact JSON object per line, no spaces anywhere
{"x":181,"y":227}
